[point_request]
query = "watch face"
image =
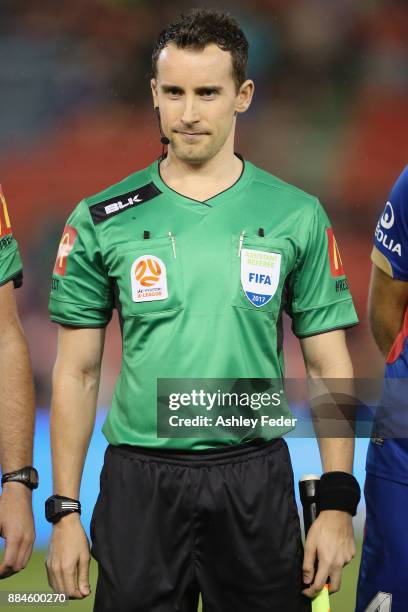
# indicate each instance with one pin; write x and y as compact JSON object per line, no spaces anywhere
{"x":50,"y":509}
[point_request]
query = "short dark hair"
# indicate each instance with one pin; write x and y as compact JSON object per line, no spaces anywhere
{"x":201,"y":27}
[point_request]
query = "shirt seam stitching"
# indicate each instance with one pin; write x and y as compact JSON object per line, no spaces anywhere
{"x":320,"y":307}
{"x":97,"y":307}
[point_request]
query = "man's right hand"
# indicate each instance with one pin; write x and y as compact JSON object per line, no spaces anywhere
{"x":68,"y":559}
{"x":16,"y":527}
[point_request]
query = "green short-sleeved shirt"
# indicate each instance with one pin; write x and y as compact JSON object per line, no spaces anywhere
{"x":200,"y":287}
{"x":11,"y":268}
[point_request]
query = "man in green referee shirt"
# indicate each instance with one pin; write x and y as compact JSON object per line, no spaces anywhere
{"x":16,"y":412}
{"x":199,"y":252}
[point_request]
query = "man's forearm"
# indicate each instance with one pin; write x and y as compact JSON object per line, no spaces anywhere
{"x":72,"y":422}
{"x":336,"y":453}
{"x":17,"y":408}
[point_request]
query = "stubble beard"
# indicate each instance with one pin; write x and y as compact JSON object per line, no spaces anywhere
{"x":193,"y":154}
{"x":196,"y":154}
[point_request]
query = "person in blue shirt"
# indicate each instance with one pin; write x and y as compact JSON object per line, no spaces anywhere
{"x":383,"y":578}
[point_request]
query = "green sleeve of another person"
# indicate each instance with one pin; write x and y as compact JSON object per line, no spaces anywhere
{"x":11,"y":267}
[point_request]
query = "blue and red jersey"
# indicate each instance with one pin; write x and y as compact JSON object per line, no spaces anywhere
{"x":388,"y":457}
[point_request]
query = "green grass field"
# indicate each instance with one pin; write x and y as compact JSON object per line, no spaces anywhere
{"x":33,"y":579}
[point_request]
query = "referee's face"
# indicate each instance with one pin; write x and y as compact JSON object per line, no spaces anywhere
{"x":198,"y":99}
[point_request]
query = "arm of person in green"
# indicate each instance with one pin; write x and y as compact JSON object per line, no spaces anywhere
{"x":321,"y":307}
{"x":81,"y":303}
{"x":16,"y":436}
{"x":16,"y":409}
{"x":330,"y":539}
{"x":75,"y":391}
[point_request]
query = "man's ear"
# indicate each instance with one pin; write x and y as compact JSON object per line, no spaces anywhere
{"x":153,"y":87}
{"x":244,"y":96}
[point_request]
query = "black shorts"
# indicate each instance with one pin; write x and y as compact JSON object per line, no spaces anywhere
{"x":224,"y":523}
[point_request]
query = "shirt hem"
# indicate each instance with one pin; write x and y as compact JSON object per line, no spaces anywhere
{"x":16,"y":276}
{"x":323,"y":331}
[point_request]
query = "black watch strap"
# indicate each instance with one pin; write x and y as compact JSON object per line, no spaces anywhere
{"x":27,"y":475}
{"x":58,"y":506}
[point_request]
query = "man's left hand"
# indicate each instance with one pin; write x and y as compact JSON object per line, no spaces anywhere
{"x":330,"y":543}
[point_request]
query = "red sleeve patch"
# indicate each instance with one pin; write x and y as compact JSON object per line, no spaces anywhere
{"x":5,"y":225}
{"x":69,"y":236}
{"x":336,"y":265}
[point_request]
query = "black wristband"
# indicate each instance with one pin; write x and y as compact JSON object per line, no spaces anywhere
{"x":339,"y":491}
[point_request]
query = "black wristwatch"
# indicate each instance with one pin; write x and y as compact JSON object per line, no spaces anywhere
{"x":27,"y":475}
{"x":58,"y":506}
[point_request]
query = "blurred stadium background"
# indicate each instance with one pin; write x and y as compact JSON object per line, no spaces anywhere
{"x":329,"y":115}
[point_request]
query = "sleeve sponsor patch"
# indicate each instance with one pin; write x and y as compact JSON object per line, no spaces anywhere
{"x":5,"y":224}
{"x":336,"y":265}
{"x":69,"y":235}
{"x":114,"y":206}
